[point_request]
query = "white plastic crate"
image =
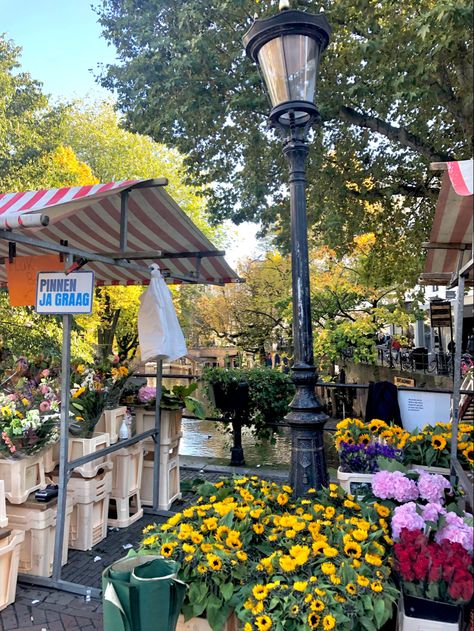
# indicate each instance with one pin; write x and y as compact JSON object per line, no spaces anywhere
{"x":50,"y":457}
{"x":201,"y":624}
{"x":170,"y":425}
{"x":86,"y":490}
{"x":10,"y":544}
{"x":169,"y":482}
{"x":125,"y":511}
{"x":110,"y":422}
{"x":127,"y":470}
{"x":22,"y":476}
{"x":3,"y":511}
{"x":84,"y":446}
{"x":38,"y":521}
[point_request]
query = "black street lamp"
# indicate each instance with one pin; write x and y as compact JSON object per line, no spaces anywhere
{"x":287,"y":47}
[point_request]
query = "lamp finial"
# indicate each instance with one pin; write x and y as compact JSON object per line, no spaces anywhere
{"x":284,"y":4}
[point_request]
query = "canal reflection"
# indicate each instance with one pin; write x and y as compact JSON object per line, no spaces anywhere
{"x":209,"y":439}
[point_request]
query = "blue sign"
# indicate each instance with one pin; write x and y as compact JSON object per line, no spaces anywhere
{"x":58,"y":293}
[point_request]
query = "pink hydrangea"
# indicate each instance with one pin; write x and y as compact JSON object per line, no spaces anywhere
{"x":432,"y":487}
{"x":394,"y":485}
{"x":406,"y":516}
{"x":146,"y":393}
{"x":431,"y":512}
{"x":457,"y":531}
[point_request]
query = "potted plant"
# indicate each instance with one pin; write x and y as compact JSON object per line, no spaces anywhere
{"x":279,"y":562}
{"x":360,"y":447}
{"x":431,"y":447}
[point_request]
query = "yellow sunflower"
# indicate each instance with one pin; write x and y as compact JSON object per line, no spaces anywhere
{"x":438,"y":442}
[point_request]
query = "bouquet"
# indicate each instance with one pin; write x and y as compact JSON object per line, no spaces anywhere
{"x":360,"y":445}
{"x":176,"y":398}
{"x":88,"y":398}
{"x":27,"y":425}
{"x":298,"y":564}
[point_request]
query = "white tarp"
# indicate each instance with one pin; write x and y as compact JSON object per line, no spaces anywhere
{"x":418,"y":409}
{"x":159,"y":333}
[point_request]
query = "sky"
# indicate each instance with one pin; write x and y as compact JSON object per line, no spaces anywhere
{"x":63,"y":48}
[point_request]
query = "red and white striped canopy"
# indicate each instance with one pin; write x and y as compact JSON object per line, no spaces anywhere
{"x":88,"y":218}
{"x":452,"y":230}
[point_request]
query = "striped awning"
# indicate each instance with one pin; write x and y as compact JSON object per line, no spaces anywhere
{"x":89,"y":218}
{"x":450,"y":246}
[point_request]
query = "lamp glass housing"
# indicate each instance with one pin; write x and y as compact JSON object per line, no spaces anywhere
{"x":289,"y":65}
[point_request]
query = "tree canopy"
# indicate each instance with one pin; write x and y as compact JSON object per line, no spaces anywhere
{"x":394,"y":92}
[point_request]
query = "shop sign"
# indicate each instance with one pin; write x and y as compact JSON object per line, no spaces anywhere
{"x":60,"y":293}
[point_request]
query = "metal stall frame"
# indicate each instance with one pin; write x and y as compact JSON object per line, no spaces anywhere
{"x":461,"y":277}
{"x":121,"y":259}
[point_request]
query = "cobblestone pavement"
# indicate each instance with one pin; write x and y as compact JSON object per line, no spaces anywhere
{"x":45,"y":609}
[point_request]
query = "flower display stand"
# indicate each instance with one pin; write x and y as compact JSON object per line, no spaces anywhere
{"x":3,"y":510}
{"x":50,"y":457}
{"x":420,"y":614}
{"x":84,"y":446}
{"x":110,"y":422}
{"x":201,"y":624}
{"x":91,"y":496}
{"x":21,"y":477}
{"x":124,"y":511}
{"x":170,"y":425}
{"x":355,"y":483}
{"x":433,"y":470}
{"x":169,"y":483}
{"x":10,"y":543}
{"x":127,"y":470}
{"x":38,"y":522}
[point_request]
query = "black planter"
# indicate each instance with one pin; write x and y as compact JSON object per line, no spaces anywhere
{"x":416,"y":607}
{"x":230,"y":398}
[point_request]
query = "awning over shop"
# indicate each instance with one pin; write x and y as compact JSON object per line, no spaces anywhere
{"x":89,"y":218}
{"x":449,"y":249}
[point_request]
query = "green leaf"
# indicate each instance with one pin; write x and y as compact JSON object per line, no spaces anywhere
{"x":379,"y":611}
{"x":227,"y":589}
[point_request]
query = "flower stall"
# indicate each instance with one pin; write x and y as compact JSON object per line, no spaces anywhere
{"x":99,"y":228}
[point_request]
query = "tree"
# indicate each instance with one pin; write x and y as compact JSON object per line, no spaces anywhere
{"x":250,"y":315}
{"x":395,"y":92}
{"x":30,"y":128}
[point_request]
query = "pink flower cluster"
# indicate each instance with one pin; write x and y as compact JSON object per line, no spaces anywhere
{"x":8,"y":442}
{"x":146,"y":394}
{"x":394,"y":485}
{"x":406,"y":516}
{"x":432,"y":486}
{"x":456,"y":530}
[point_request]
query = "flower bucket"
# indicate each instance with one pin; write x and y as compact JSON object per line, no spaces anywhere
{"x":10,"y":543}
{"x":430,"y":615}
{"x":355,"y":483}
{"x":432,"y":470}
{"x":84,"y":446}
{"x":201,"y":624}
{"x":22,"y":476}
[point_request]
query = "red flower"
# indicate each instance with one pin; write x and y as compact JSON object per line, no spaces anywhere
{"x":421,"y":567}
{"x":462,"y":588}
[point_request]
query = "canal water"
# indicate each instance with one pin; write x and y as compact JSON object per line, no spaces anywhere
{"x":208,"y":439}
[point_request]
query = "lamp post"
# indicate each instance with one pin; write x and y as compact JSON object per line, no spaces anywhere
{"x":287,"y":47}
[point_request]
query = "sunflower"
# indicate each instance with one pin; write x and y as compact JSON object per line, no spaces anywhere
{"x":317,"y":605}
{"x":328,"y":568}
{"x":364,"y":439}
{"x":214,"y":562}
{"x":376,"y":586}
{"x":295,"y":610}
{"x":260,"y":592}
{"x":362,"y":580}
{"x":469,"y":453}
{"x":351,"y":589}
{"x":313,"y":620}
{"x":167,"y":549}
{"x":329,"y":622}
{"x":383,"y":511}
{"x":263,"y":623}
{"x":353,"y":549}
{"x":373,"y":559}
{"x":438,"y":442}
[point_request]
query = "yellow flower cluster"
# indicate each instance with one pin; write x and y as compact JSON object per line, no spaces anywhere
{"x":309,"y":563}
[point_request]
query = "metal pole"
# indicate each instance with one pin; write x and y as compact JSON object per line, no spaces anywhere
{"x":306,"y":418}
{"x":457,"y":375}
{"x":156,"y":438}
{"x":63,"y":444}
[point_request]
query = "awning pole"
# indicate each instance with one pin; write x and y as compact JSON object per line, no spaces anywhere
{"x":63,"y":444}
{"x":457,"y":375}
{"x":157,"y":457}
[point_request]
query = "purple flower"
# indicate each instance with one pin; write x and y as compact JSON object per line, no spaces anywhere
{"x":364,"y":458}
{"x":146,"y":393}
{"x":406,"y":516}
{"x":394,"y":485}
{"x":432,"y":486}
{"x":431,"y":511}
